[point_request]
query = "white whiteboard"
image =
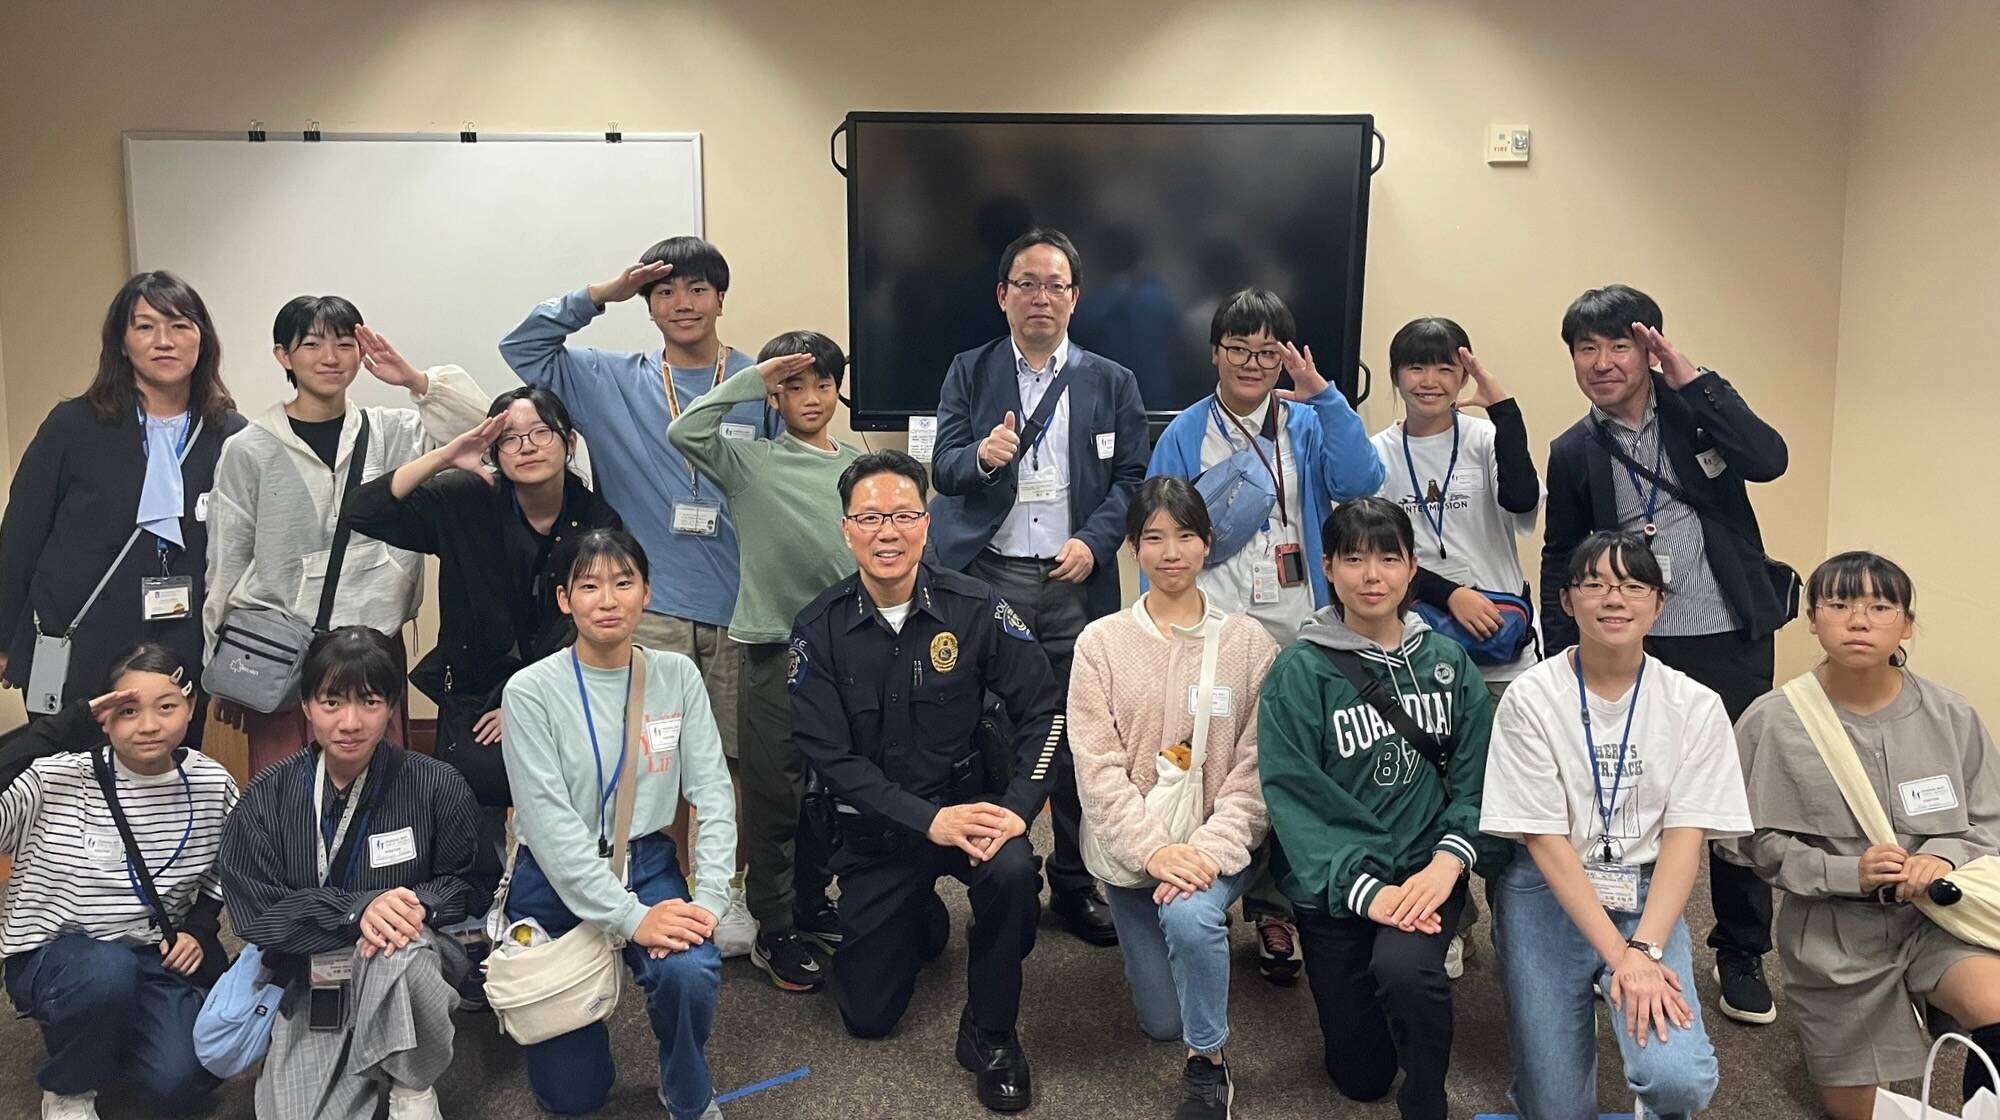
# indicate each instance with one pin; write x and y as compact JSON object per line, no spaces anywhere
{"x":443,"y":245}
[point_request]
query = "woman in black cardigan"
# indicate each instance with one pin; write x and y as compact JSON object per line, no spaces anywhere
{"x":84,"y":485}
{"x":496,"y":536}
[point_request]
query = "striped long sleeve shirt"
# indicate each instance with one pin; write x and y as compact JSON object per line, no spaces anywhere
{"x":416,"y":827}
{"x":70,"y":873}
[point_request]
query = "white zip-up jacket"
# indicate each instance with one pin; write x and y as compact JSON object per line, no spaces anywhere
{"x":275,"y":504}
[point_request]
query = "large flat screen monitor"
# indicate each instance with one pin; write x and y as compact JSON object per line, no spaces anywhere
{"x":1170,"y":214}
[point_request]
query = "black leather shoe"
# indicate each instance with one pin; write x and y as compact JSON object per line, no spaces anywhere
{"x":1087,"y":914}
{"x":1005,"y":1084}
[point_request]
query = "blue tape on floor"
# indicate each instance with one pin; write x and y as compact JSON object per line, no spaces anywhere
{"x":772,"y":1083}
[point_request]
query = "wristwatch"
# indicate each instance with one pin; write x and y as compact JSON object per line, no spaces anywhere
{"x":1653,"y":952}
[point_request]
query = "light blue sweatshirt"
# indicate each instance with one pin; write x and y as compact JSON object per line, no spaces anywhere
{"x":546,"y":743}
{"x":619,"y":403}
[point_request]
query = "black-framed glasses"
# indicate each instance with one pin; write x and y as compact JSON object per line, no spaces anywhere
{"x":1598,"y":589}
{"x":1056,"y":288}
{"x":901,"y":519}
{"x":1241,"y":356}
{"x":513,"y":442}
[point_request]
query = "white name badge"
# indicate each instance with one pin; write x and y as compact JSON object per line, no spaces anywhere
{"x":1928,"y":795}
{"x":697,"y":518}
{"x":1616,"y":884}
{"x":923,"y":437}
{"x":663,"y":736}
{"x":103,"y":849}
{"x":1039,"y":486}
{"x":201,"y":507}
{"x":332,"y":968}
{"x":1711,"y":462}
{"x":387,"y":849}
{"x":1221,"y":702}
{"x":1666,"y":567}
{"x":1264,"y":582}
{"x":739,"y":431}
{"x":165,"y":597}
{"x":1107,"y":444}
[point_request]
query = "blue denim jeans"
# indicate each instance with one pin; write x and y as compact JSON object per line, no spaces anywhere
{"x":1177,"y":959}
{"x":1546,"y":970}
{"x":573,"y":1073}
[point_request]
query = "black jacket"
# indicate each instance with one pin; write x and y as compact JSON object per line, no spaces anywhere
{"x":1707,"y":415}
{"x":74,"y":500}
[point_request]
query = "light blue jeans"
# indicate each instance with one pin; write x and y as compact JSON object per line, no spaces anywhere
{"x":1177,"y":959}
{"x":1546,"y":970}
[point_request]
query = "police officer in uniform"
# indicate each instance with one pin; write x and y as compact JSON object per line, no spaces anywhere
{"x":889,"y":669}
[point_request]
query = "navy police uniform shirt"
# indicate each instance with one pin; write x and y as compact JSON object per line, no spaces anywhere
{"x":884,"y":717}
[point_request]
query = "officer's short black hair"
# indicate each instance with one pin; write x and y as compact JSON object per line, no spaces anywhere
{"x":1042,"y":235}
{"x":616,"y":547}
{"x":1178,"y":498}
{"x":886,"y":461}
{"x":826,"y":355}
{"x":694,"y":260}
{"x":1371,"y":524}
{"x":1609,"y":312}
{"x":355,"y":662}
{"x":1249,"y":311}
{"x":332,"y":316}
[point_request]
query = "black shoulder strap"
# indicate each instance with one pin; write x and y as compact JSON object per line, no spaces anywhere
{"x":105,"y":782}
{"x":1349,"y":664}
{"x":341,"y":531}
{"x":1618,"y":452}
{"x":1051,"y":397}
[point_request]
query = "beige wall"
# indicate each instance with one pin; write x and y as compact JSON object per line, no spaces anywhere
{"x":1915,"y":401}
{"x":1697,"y":149}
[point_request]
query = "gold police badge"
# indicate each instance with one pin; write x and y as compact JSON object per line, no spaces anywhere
{"x":944,"y":652}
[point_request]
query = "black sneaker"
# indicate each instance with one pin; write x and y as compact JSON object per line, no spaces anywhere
{"x":1746,"y":995}
{"x":1206,"y":1091}
{"x":788,"y":961}
{"x":822,"y":924}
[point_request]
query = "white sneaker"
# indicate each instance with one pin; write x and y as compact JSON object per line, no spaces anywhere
{"x":737,"y":931}
{"x":76,"y":1106}
{"x":1454,"y":959}
{"x":712,"y":1112}
{"x":413,"y":1104}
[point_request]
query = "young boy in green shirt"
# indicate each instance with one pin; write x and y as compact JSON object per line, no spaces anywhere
{"x":784,"y":497}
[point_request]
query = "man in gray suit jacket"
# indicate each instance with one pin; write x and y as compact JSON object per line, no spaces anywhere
{"x":1039,"y":447}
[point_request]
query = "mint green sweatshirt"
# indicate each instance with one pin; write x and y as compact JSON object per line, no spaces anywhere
{"x":547,"y":746}
{"x":784,"y":496}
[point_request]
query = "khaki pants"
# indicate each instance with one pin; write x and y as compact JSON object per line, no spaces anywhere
{"x":719,"y":660}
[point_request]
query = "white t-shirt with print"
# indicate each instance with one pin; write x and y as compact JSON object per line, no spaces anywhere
{"x":1681,"y":767}
{"x":1232,"y":583}
{"x":1479,"y":548}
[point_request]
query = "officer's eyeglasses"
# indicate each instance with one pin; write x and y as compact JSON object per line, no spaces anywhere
{"x":901,"y":519}
{"x":1056,"y":288}
{"x":1241,"y":355}
{"x":513,"y":443}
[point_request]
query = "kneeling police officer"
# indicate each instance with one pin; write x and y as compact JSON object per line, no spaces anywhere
{"x":889,"y":671}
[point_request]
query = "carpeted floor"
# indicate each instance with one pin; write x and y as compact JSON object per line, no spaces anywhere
{"x":1090,"y":1061}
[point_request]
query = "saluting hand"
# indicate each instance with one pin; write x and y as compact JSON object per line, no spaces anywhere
{"x":781,"y":369}
{"x":1486,"y":390}
{"x":1000,"y":445}
{"x":468,"y":451}
{"x":627,"y":283}
{"x":102,"y":708}
{"x":1674,"y":365}
{"x":1306,"y":380}
{"x":389,"y":366}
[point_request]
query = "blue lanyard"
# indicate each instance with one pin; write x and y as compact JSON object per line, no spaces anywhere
{"x":1650,"y":500}
{"x":1604,"y":809}
{"x":1444,"y":489}
{"x":597,"y":752}
{"x":131,"y":874}
{"x":1034,"y":449}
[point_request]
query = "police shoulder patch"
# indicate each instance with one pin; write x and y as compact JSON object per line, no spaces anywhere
{"x":1011,"y":623}
{"x":795,"y":665}
{"x":1444,"y":673}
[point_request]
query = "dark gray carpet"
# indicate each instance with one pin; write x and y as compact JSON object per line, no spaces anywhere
{"x":1089,"y":1058}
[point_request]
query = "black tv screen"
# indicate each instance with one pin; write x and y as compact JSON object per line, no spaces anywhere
{"x":1170,"y":214}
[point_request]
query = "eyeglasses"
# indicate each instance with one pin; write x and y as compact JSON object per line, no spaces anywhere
{"x":1878,"y":614}
{"x":1241,"y":355}
{"x":1056,"y":288}
{"x":1598,"y":589}
{"x":901,"y":519}
{"x":513,"y":442}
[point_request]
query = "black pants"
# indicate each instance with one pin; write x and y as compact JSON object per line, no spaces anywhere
{"x":1056,"y":612}
{"x":1384,"y":1004}
{"x":787,"y":856}
{"x":1739,"y":670}
{"x":886,"y":897}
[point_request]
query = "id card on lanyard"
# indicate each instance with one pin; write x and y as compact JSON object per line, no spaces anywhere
{"x":695,"y":515}
{"x":597,"y":752}
{"x":1615,"y":881}
{"x":1286,"y":567}
{"x":1417,"y":495}
{"x":331,"y":835}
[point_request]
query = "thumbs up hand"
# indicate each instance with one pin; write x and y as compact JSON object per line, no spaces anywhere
{"x":1000,"y":445}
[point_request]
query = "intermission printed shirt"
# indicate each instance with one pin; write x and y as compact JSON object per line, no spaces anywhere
{"x":70,"y":871}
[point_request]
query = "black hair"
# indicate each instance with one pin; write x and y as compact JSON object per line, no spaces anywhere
{"x":1609,"y":312}
{"x":150,"y":657}
{"x":1627,"y":554}
{"x":356,"y":661}
{"x":886,"y":461}
{"x":614,"y":546}
{"x":694,"y":260}
{"x":547,"y":405}
{"x":1042,"y":235}
{"x":1371,"y":524}
{"x":1430,"y":341}
{"x":1246,"y":312}
{"x":826,"y":355}
{"x":114,"y":393}
{"x":1178,"y":498}
{"x":1852,"y":575}
{"x":332,"y":316}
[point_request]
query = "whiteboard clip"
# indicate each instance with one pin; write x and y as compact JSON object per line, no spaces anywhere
{"x":256,"y":134}
{"x":612,"y":135}
{"x":466,"y":135}
{"x":312,"y":132}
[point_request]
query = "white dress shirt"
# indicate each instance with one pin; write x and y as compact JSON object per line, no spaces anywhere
{"x":1038,"y":529}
